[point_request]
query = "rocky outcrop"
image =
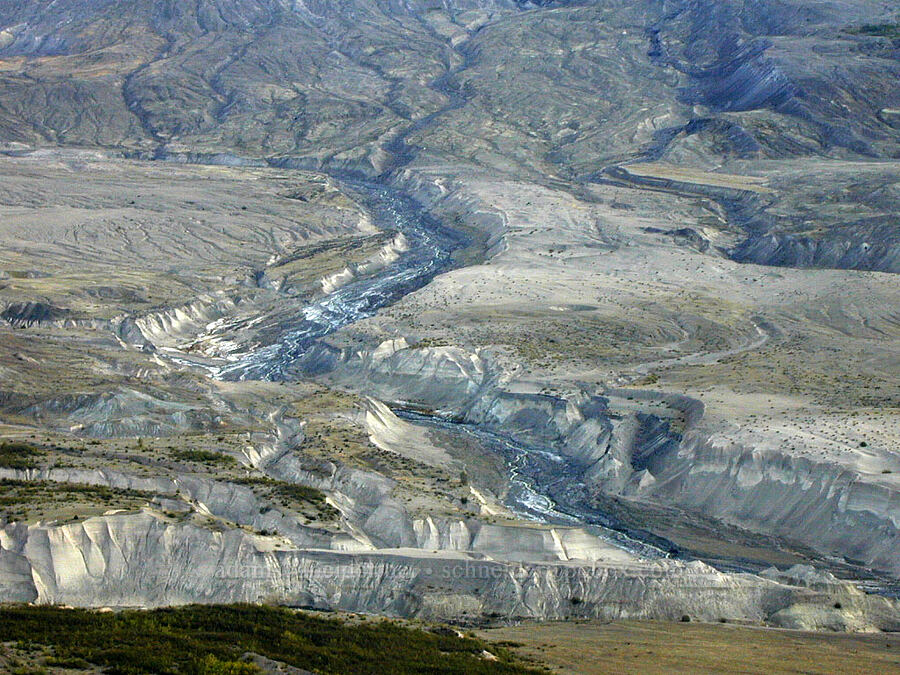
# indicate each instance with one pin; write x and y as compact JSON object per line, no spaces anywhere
{"x":392,"y":434}
{"x":437,"y":378}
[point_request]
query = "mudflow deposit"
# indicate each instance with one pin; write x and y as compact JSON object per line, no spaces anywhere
{"x":464,"y":310}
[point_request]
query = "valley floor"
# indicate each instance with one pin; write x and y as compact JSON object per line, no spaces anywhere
{"x":253,"y":640}
{"x":593,"y":648}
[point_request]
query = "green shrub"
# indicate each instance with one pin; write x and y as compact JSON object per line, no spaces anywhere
{"x":210,"y":665}
{"x":72,"y":662}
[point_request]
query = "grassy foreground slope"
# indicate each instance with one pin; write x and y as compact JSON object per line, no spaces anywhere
{"x":592,"y":648}
{"x":225,"y":639}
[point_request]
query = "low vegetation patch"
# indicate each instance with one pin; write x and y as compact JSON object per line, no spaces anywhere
{"x":216,"y":639}
{"x":292,"y":496}
{"x":20,"y":499}
{"x":888,"y":30}
{"x":204,"y":457}
{"x":15,"y":455}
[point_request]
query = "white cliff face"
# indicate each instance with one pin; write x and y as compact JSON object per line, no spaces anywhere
{"x":167,"y":328}
{"x":392,"y":434}
{"x":17,"y":583}
{"x":437,"y":377}
{"x":389,"y":253}
{"x":103,"y":561}
{"x":829,"y":507}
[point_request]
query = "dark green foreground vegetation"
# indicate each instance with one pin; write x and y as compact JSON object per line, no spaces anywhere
{"x":207,"y":640}
{"x":888,"y":30}
{"x":18,"y":455}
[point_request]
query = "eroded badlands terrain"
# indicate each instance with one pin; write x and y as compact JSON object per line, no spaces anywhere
{"x":453,"y":310}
